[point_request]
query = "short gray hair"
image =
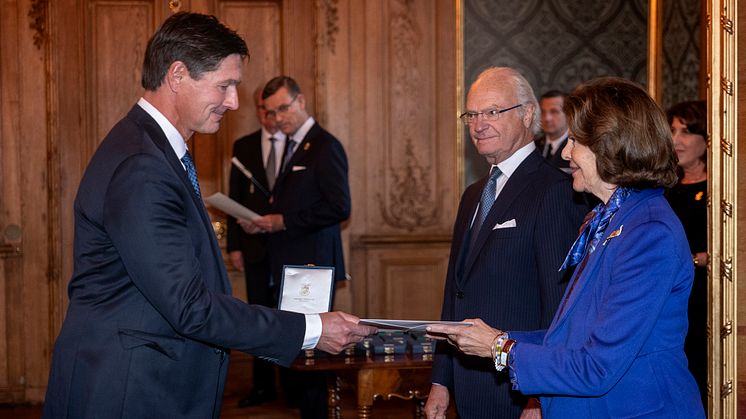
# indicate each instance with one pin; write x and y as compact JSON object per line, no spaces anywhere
{"x":521,"y":87}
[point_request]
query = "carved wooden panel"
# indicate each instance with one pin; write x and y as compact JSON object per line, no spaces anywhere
{"x":402,"y":280}
{"x":414,"y":161}
{"x":404,"y":152}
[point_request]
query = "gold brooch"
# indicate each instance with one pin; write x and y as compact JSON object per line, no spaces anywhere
{"x":698,"y":196}
{"x":615,"y":233}
{"x":306,"y":146}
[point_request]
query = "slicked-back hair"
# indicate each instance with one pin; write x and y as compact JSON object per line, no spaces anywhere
{"x":278,"y":83}
{"x":626,"y":130}
{"x":200,"y":41}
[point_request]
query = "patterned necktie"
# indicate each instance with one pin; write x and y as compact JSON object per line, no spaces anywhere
{"x":191,"y":172}
{"x":599,"y":220}
{"x":489,"y":193}
{"x":288,"y":153}
{"x":271,"y":167}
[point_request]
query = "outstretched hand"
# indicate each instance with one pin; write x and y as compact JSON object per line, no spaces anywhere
{"x":341,"y":330}
{"x":474,"y":340}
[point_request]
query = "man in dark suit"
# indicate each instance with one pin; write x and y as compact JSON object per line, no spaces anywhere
{"x":511,"y":234}
{"x":261,"y":153}
{"x":309,"y":201}
{"x":151,"y":318}
{"x":554,"y":128}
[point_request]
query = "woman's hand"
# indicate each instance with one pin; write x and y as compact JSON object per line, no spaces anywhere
{"x":476,"y":339}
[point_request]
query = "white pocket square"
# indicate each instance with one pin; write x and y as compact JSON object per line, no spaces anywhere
{"x":507,"y":224}
{"x":298,"y":168}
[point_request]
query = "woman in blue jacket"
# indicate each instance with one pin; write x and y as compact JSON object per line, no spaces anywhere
{"x":615,"y":346}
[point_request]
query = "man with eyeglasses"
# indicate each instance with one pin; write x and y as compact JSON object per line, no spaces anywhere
{"x":511,"y":234}
{"x":310,"y":198}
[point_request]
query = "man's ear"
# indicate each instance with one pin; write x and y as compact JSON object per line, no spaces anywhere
{"x":176,"y":74}
{"x":528,"y":118}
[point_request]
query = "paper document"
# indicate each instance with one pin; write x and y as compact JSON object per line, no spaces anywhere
{"x":408,"y":325}
{"x":230,"y":207}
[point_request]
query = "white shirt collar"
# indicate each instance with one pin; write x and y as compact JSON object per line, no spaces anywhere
{"x":556,"y":143}
{"x":509,"y":165}
{"x":178,"y":143}
{"x":301,"y":132}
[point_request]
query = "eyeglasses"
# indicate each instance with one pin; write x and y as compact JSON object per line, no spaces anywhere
{"x":489,"y":114}
{"x":282,"y":108}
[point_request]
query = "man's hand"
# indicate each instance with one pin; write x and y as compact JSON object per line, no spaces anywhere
{"x":437,"y":402}
{"x":269,"y":223}
{"x":340,"y":330}
{"x":236,"y":259}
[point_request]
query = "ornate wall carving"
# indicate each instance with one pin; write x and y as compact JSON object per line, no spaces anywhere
{"x":409,"y":200}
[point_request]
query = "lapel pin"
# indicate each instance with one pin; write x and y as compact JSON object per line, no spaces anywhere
{"x":306,"y":146}
{"x":615,"y":233}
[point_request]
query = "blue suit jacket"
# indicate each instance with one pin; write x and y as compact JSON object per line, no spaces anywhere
{"x":313,"y":195}
{"x":150,"y":314}
{"x":509,"y":279}
{"x":616,"y":349}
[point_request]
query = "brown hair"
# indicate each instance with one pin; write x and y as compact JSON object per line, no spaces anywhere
{"x":626,"y":131}
{"x":693,"y":114}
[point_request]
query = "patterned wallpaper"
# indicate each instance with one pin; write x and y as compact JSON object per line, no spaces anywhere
{"x":555,"y":44}
{"x":681,"y":52}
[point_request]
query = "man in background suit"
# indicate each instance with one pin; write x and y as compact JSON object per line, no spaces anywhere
{"x":554,"y":128}
{"x":151,"y":317}
{"x":309,"y":201}
{"x":500,"y":249}
{"x":261,"y":153}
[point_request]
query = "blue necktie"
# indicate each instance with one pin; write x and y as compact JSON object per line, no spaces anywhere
{"x":191,"y":172}
{"x":489,"y":193}
{"x":595,"y":228}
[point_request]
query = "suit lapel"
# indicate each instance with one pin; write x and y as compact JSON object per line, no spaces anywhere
{"x":300,"y":151}
{"x":510,"y":192}
{"x":158,"y":137}
{"x":572,"y":294}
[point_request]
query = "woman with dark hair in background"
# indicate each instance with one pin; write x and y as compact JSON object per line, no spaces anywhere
{"x":689,"y":201}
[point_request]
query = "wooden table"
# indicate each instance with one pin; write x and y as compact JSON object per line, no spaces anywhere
{"x":379,"y":377}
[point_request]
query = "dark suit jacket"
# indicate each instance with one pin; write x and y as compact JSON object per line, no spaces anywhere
{"x":555,"y":159}
{"x":313,"y":195}
{"x":150,"y":312}
{"x":248,"y":150}
{"x":616,"y":348}
{"x":509,"y":279}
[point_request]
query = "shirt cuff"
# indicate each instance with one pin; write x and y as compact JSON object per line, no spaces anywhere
{"x":313,"y":331}
{"x":511,"y":368}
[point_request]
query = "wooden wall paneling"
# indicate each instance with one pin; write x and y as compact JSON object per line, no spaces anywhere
{"x":335,"y":95}
{"x":115,"y":59}
{"x":411,"y":184}
{"x":11,"y":308}
{"x":405,"y":279}
{"x":298,"y":46}
{"x":24,"y":299}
